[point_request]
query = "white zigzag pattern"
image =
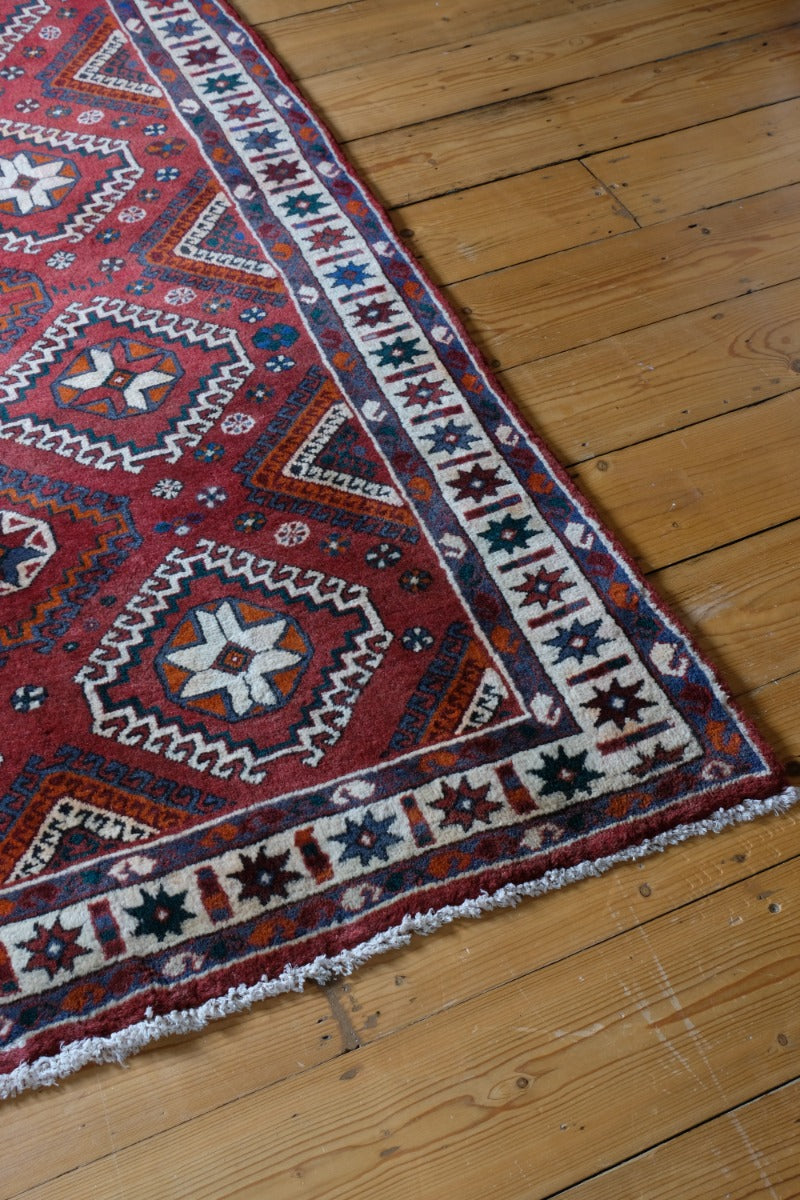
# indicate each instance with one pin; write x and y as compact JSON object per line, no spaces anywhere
{"x":99,"y":453}
{"x":94,"y":70}
{"x":20,"y":23}
{"x":88,"y":214}
{"x":327,"y":721}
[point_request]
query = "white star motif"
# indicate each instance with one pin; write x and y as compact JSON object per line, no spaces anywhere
{"x":134,"y":392}
{"x":29,"y":184}
{"x":249,"y":686}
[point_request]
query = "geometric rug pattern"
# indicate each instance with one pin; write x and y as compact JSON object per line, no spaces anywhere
{"x":305,"y":640}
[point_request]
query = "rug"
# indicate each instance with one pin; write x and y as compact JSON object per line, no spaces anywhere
{"x":306,"y":643}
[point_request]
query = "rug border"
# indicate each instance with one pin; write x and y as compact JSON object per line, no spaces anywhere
{"x":776,"y":775}
{"x":116,"y":1048}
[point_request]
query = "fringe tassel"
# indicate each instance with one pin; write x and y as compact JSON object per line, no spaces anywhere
{"x":46,"y":1072}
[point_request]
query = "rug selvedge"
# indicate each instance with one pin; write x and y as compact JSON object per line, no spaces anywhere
{"x":307,"y":643}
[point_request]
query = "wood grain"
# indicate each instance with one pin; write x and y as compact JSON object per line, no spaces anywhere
{"x":475,"y":231}
{"x":775,"y":707}
{"x":522,"y":1066}
{"x":706,"y":165}
{"x":591,"y":114}
{"x":664,"y":376}
{"x":532,"y":57}
{"x":750,"y":1153}
{"x":573,"y":298}
{"x":371,"y":30}
{"x":687,"y":492}
{"x":746,"y":617}
{"x":105,"y":1108}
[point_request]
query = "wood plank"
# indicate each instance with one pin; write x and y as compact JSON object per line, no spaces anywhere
{"x":506,"y":1086}
{"x":627,"y":388}
{"x":479,"y":230}
{"x":747,"y":1154}
{"x":420,"y":161}
{"x":592,"y":292}
{"x":774,"y":707}
{"x":255,"y":11}
{"x":102,"y":1110}
{"x":105,"y":1107}
{"x":465,"y":959}
{"x":706,"y":165}
{"x":371,"y":30}
{"x":534,"y":56}
{"x":745,"y":616}
{"x":702,"y":487}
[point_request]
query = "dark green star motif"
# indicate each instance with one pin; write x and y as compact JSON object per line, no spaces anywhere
{"x":565,"y":773}
{"x":216,"y":85}
{"x":509,"y":534}
{"x":160,"y":915}
{"x":367,"y":840}
{"x":303,"y":204}
{"x":264,"y":876}
{"x":398,"y":352}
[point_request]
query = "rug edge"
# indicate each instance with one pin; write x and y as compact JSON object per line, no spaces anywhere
{"x":50,"y":1070}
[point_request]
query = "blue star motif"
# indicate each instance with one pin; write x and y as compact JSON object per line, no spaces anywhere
{"x":368,"y":839}
{"x":260,"y":139}
{"x":181,"y":28}
{"x":349,"y":275}
{"x":578,"y":641}
{"x":447,"y":439}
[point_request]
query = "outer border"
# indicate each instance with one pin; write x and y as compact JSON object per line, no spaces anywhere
{"x":48,"y":1071}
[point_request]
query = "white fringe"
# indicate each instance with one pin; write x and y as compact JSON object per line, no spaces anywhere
{"x":46,"y":1072}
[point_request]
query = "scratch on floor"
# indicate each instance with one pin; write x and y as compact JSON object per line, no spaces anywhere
{"x":688,"y":1024}
{"x":754,"y":1155}
{"x":350,"y":1040}
{"x":112,"y":1142}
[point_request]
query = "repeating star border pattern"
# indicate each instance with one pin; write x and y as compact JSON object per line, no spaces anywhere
{"x":534,"y":512}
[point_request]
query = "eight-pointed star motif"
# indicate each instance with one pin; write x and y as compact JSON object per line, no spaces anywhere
{"x":235,"y":658}
{"x":31,"y":185}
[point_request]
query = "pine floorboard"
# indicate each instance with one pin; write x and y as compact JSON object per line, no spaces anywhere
{"x":608,"y":192}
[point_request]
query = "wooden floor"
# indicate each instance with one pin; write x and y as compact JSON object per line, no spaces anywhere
{"x":610,"y":194}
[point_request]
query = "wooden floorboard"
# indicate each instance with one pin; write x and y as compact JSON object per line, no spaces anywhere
{"x":467,"y":232}
{"x":751,"y":1152}
{"x":532,"y":56}
{"x":582,"y":117}
{"x":704,"y":166}
{"x":609,"y":192}
{"x":372,"y":30}
{"x":519,"y":1066}
{"x":663,"y":376}
{"x":569,"y":299}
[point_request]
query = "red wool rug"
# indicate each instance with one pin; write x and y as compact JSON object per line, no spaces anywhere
{"x":305,"y":643}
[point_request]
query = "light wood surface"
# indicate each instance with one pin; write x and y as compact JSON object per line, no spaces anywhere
{"x":609,"y":193}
